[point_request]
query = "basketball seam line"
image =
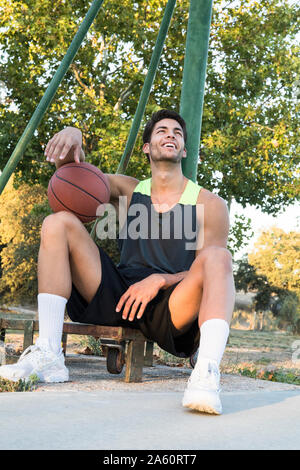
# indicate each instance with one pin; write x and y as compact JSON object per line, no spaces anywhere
{"x":91,"y":171}
{"x":74,"y":212}
{"x":78,"y":187}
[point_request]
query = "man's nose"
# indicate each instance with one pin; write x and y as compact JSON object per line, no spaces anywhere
{"x":171,"y":134}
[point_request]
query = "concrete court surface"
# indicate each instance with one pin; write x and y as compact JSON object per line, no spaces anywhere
{"x":101,"y":412}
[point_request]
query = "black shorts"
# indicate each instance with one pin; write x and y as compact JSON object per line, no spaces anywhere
{"x":155,"y":323}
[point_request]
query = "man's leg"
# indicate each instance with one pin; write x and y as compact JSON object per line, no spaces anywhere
{"x":67,"y":254}
{"x":208,"y":293}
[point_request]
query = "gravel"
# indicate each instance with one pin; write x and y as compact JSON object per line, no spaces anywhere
{"x":88,"y":373}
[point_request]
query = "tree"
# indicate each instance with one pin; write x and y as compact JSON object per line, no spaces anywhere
{"x":272,"y":270}
{"x":239,"y":234}
{"x":276,"y":255}
{"x":248,"y":149}
{"x":248,"y":143}
{"x":247,"y":279}
{"x":21,"y":213}
{"x":284,"y":304}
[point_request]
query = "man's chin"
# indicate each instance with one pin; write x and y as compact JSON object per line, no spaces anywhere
{"x":167,"y":158}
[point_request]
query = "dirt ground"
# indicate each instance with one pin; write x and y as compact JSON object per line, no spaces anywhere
{"x":263,"y":349}
{"x":246,"y":349}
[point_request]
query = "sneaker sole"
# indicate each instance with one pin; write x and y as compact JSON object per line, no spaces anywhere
{"x":42,"y":378}
{"x":55,"y":380}
{"x":202,"y":408}
{"x":203,"y":404}
{"x":63,"y":376}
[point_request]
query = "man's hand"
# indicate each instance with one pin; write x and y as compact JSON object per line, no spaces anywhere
{"x":136,"y":298}
{"x":65,"y":146}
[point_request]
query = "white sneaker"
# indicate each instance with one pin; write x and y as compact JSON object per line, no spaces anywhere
{"x":37,"y":359}
{"x":202,"y":391}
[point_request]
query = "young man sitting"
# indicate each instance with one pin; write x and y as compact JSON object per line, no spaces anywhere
{"x":176,"y":290}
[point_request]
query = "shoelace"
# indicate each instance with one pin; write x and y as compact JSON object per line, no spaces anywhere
{"x":210,"y":379}
{"x":30,"y":348}
{"x":37,"y":354}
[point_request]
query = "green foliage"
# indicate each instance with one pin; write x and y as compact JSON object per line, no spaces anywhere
{"x":22,"y":211}
{"x":276,"y":254}
{"x":249,"y":133}
{"x":246,"y":278}
{"x":19,"y":386}
{"x":289,"y":311}
{"x":278,"y":375}
{"x":93,"y":344}
{"x":240,"y":233}
{"x":249,"y":130}
{"x":282,"y":302}
{"x":109,"y":245}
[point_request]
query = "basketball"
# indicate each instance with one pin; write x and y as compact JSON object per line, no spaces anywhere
{"x":79,"y":188}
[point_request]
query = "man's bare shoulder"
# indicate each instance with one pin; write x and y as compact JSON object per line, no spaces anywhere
{"x":121,"y":185}
{"x":211,"y":200}
{"x":214,"y":219}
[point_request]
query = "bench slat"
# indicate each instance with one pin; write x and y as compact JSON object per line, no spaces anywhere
{"x":117,"y":333}
{"x":136,"y":339}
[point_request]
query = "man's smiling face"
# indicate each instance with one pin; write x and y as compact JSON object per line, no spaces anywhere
{"x":167,"y":142}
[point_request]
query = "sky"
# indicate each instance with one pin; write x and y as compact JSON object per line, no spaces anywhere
{"x":288,"y":220}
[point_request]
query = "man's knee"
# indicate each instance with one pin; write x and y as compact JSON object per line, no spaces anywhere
{"x":214,"y":256}
{"x":57,"y":223}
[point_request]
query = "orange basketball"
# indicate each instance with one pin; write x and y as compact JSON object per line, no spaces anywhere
{"x":79,"y":188}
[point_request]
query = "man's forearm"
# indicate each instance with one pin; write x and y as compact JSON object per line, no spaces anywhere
{"x":170,"y":279}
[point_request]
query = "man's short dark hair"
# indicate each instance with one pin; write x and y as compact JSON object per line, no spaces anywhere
{"x":158,"y":116}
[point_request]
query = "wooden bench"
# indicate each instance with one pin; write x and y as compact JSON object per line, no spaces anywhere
{"x":122,"y":346}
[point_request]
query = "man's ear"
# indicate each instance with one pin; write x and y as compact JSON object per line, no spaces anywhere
{"x":184,"y":153}
{"x":146,"y":148}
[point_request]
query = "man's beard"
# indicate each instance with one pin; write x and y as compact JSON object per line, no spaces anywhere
{"x":166,"y":158}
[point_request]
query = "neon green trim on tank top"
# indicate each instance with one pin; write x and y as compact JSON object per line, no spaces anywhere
{"x":189,"y":195}
{"x":144,"y":187}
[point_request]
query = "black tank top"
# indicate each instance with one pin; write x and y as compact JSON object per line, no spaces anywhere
{"x":158,"y":242}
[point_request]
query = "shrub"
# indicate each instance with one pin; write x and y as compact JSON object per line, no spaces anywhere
{"x":20,"y":386}
{"x":22,"y":211}
{"x":289,"y":312}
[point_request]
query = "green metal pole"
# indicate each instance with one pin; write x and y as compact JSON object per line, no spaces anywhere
{"x":49,"y":94}
{"x":192,"y":93}
{"x":147,"y":86}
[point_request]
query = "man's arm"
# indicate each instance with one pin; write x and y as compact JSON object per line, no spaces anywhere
{"x":66,"y":147}
{"x":121,"y":185}
{"x":213,"y":221}
{"x":214,"y":229}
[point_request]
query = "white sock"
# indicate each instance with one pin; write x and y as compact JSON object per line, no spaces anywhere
{"x":51,"y":309}
{"x":213,"y":339}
